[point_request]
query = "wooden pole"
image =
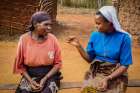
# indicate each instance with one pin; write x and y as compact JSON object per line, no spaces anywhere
{"x":67,"y":85}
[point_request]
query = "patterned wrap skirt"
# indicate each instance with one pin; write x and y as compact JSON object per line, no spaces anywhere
{"x":37,"y":73}
{"x":99,"y":70}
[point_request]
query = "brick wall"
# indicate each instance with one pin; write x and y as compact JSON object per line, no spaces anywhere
{"x":16,"y":13}
{"x":129,"y":14}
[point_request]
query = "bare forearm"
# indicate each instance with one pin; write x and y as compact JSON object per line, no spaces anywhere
{"x":74,"y":41}
{"x":54,"y":70}
{"x":83,"y":53}
{"x":26,"y":75}
{"x":118,"y":72}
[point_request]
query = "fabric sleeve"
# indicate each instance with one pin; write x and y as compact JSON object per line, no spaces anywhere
{"x":57,"y":56}
{"x":89,"y":48}
{"x":19,"y":67}
{"x":126,"y":52}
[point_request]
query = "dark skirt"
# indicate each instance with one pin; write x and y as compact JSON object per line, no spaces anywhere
{"x":37,"y":73}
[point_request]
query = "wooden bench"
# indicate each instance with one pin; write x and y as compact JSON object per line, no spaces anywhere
{"x":67,"y":85}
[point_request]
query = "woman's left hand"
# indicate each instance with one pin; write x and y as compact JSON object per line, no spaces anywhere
{"x":42,"y":82}
{"x":103,"y":85}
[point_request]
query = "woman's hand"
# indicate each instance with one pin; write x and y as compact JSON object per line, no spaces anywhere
{"x":42,"y":82}
{"x":73,"y":41}
{"x":103,"y":84}
{"x":35,"y":85}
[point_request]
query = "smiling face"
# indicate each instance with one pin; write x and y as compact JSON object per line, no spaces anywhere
{"x":43,"y":27}
{"x":102,"y":24}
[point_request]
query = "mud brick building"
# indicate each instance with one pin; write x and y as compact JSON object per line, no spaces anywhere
{"x":129,"y":15}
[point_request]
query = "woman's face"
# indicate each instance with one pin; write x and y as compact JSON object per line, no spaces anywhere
{"x":101,"y":24}
{"x":44,"y":27}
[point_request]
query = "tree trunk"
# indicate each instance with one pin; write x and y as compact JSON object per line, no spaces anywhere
{"x":100,"y":3}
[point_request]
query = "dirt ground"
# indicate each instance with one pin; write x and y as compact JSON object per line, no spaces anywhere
{"x":73,"y":65}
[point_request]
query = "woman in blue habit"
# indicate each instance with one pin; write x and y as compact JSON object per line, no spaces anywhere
{"x":109,"y":53}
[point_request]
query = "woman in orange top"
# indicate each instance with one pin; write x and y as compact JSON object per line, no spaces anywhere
{"x":38,"y":57}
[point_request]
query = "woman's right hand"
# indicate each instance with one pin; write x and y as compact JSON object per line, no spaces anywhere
{"x":73,"y":41}
{"x":35,"y":85}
